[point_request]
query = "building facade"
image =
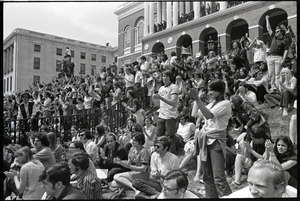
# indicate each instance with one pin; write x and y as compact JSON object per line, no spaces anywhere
{"x":152,"y":28}
{"x":30,"y":57}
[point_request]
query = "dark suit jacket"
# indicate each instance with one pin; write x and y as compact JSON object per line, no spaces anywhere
{"x":30,"y":107}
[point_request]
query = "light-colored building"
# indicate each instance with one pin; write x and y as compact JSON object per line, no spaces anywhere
{"x":149,"y":28}
{"x":30,"y":57}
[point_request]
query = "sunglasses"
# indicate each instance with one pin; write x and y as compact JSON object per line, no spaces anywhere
{"x":81,"y":135}
{"x":157,"y":146}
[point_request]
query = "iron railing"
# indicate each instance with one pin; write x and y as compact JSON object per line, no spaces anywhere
{"x":115,"y":117}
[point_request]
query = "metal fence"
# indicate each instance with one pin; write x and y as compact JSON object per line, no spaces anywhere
{"x":115,"y":117}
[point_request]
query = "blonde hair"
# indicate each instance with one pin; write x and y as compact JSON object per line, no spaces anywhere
{"x":27,"y":153}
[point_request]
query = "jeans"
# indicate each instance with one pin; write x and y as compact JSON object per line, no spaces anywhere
{"x":274,"y":69}
{"x":273,"y":100}
{"x":167,"y":127}
{"x":286,"y":98}
{"x":214,"y":177}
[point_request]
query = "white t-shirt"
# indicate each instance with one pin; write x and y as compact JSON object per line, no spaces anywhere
{"x":222,"y":112}
{"x":129,"y":78}
{"x":186,"y":130}
{"x":138,"y":77}
{"x":290,"y":192}
{"x":167,"y":111}
{"x":164,"y":165}
{"x":91,"y":149}
{"x":145,"y":67}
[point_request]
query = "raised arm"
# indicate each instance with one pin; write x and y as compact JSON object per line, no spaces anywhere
{"x":269,"y":29}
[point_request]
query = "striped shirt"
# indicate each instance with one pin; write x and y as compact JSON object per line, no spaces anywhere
{"x":90,"y":185}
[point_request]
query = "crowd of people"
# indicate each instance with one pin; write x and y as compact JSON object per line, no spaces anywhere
{"x":199,"y":101}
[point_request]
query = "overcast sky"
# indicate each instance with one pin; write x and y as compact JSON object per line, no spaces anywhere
{"x":93,"y":22}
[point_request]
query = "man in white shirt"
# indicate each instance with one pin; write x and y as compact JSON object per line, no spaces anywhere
{"x":89,"y":145}
{"x":266,"y":179}
{"x":162,"y":161}
{"x":168,"y":99}
{"x":247,"y":95}
{"x":145,"y":66}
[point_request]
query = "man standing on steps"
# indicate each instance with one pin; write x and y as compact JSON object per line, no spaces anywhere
{"x":167,"y":118}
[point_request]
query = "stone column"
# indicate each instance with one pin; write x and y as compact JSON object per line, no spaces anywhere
{"x":164,"y":11}
{"x":146,"y":18}
{"x":12,"y":57}
{"x":169,"y":14}
{"x":151,"y":16}
{"x":8,"y":58}
{"x":175,"y":13}
{"x":223,"y":5}
{"x":181,"y":8}
{"x":159,"y":3}
{"x":5,"y":61}
{"x":196,"y":5}
{"x":187,"y":7}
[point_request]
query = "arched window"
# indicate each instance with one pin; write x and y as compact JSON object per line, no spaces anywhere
{"x":139,"y":32}
{"x":127,"y":37}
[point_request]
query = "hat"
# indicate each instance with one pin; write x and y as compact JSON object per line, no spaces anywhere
{"x":217,"y":85}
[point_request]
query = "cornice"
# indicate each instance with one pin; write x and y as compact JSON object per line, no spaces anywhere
{"x":56,"y":39}
{"x":129,"y":9}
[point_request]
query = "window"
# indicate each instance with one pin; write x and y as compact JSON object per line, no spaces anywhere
{"x":93,"y":70}
{"x":10,"y":83}
{"x":37,"y":48}
{"x":127,"y":37}
{"x":103,"y":59}
{"x":139,"y":32}
{"x":82,"y":69}
{"x":58,"y":66}
{"x":36,"y":63}
{"x":36,"y":79}
{"x":4,"y":85}
{"x":72,"y":53}
{"x":59,"y":51}
{"x":93,"y":57}
{"x":82,"y":55}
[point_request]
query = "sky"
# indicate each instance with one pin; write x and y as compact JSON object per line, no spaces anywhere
{"x":93,"y":22}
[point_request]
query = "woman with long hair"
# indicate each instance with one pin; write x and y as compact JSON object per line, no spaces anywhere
{"x":27,"y":180}
{"x":211,"y":141}
{"x":56,"y":147}
{"x":138,"y":162}
{"x":286,"y":91}
{"x":283,"y":153}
